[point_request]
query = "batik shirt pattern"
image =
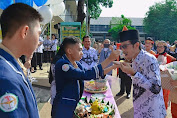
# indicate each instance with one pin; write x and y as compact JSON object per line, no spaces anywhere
{"x":89,"y":58}
{"x":147,"y":92}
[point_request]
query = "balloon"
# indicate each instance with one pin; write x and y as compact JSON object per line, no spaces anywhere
{"x":46,"y":13}
{"x":52,"y":2}
{"x":28,"y":2}
{"x":5,"y":3}
{"x":35,"y":6}
{"x":58,"y":9}
{"x":40,"y":2}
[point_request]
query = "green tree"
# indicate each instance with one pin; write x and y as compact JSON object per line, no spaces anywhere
{"x":160,"y":20}
{"x":93,"y":8}
{"x":83,"y":30}
{"x":117,"y":25}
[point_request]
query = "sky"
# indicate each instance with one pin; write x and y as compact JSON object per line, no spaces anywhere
{"x":129,"y":8}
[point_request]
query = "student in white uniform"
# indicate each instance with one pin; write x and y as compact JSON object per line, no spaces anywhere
{"x":39,"y":52}
{"x":54,"y":43}
{"x":47,"y":50}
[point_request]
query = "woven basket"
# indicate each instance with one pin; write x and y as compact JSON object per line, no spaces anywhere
{"x":165,"y":80}
{"x":173,"y":96}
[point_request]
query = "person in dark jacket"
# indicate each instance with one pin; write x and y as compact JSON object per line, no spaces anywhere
{"x":69,"y":76}
{"x":20,"y":34}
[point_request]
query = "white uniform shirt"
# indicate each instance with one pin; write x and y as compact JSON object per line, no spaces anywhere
{"x":47,"y":45}
{"x":54,"y":44}
{"x":89,"y":58}
{"x":41,"y":47}
{"x":147,"y":100}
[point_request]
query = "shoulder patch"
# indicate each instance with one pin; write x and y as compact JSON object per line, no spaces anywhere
{"x":8,"y":102}
{"x":65,"y":67}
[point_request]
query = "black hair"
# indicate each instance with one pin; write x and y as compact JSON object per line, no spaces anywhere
{"x":135,"y":41}
{"x":54,"y":35}
{"x":17,"y":15}
{"x":71,"y":40}
{"x":86,"y":36}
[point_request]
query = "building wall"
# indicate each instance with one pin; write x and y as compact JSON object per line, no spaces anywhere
{"x":100,"y":32}
{"x":99,"y":28}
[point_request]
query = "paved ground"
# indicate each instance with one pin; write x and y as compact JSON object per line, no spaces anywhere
{"x":125,"y":106}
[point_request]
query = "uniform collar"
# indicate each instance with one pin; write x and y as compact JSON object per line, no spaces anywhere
{"x":139,"y":56}
{"x":85,"y":48}
{"x":11,"y":55}
{"x":66,"y":58}
{"x":7,"y":50}
{"x":165,"y":54}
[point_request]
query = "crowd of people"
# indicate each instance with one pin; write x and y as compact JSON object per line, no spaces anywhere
{"x":74,"y":63}
{"x":44,"y":53}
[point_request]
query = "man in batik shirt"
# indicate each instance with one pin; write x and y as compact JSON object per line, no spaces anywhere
{"x":89,"y":58}
{"x":145,"y":73}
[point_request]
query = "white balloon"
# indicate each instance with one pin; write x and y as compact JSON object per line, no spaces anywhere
{"x":46,"y":14}
{"x":58,"y":9}
{"x":52,"y":2}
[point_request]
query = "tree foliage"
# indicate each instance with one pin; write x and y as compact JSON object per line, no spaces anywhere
{"x":117,"y":25}
{"x":161,"y":20}
{"x":93,"y":8}
{"x":83,"y":30}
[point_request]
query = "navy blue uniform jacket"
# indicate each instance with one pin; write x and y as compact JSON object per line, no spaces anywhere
{"x":17,"y":99}
{"x":67,"y":85}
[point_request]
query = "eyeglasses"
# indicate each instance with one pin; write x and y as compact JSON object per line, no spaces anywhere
{"x":125,"y":46}
{"x":160,"y":46}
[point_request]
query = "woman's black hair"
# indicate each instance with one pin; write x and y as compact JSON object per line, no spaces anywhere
{"x":67,"y":41}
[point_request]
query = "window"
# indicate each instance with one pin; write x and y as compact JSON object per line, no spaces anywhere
{"x":99,"y":28}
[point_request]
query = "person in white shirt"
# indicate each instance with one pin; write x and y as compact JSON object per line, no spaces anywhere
{"x":90,"y":57}
{"x":39,"y":52}
{"x":47,"y":49}
{"x":148,"y":99}
{"x":54,"y":43}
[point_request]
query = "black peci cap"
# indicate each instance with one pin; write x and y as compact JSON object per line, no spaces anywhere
{"x":129,"y":35}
